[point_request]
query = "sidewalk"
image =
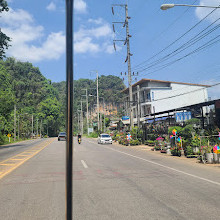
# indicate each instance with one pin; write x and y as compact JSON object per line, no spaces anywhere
{"x":193,"y":161}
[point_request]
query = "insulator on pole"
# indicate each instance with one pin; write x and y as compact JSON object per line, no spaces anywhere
{"x":126,"y":59}
{"x":113,"y":26}
{"x":114,"y":46}
{"x":113,"y":11}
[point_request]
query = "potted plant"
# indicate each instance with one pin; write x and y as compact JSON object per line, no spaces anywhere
{"x":176,"y":151}
{"x":208,"y":154}
{"x":216,"y":154}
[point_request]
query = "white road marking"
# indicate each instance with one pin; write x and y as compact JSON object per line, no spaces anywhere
{"x":161,"y":165}
{"x":84,"y":164}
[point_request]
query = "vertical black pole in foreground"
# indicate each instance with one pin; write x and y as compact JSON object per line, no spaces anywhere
{"x":69,"y":107}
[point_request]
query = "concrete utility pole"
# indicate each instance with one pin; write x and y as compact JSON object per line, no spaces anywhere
{"x":40,"y":128}
{"x":33,"y":126}
{"x":37,"y":127}
{"x":128,"y":58}
{"x":87,"y":110}
{"x":15,"y":122}
{"x":129,"y":67}
{"x":138,"y":105}
{"x":104,"y":114}
{"x":18,"y":127}
{"x":98,"y":100}
{"x":78,"y":121}
{"x":81,"y":119}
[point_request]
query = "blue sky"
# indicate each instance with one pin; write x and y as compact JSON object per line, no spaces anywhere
{"x":37,"y":29}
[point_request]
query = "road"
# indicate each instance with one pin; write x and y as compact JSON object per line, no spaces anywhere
{"x":109,"y":182}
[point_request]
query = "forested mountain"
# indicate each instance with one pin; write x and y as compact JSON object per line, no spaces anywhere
{"x":110,"y":88}
{"x":23,"y":86}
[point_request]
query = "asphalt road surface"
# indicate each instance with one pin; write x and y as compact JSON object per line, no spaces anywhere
{"x":109,"y":182}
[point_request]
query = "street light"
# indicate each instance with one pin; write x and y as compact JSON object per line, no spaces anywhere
{"x":168,"y":6}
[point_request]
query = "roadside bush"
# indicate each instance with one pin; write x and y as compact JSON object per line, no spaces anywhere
{"x":189,"y":150}
{"x":3,"y":139}
{"x":93,"y":135}
{"x":178,"y":129}
{"x":175,"y":151}
{"x":149,"y":142}
{"x":135,"y":142}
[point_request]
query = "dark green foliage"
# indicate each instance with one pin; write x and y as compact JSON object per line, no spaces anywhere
{"x":135,"y":142}
{"x":189,"y":150}
{"x":193,"y":121}
{"x":4,"y":39}
{"x":23,"y":84}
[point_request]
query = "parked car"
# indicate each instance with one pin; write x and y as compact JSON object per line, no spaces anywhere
{"x":62,"y":136}
{"x":104,"y":139}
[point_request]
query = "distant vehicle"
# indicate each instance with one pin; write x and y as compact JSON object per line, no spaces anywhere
{"x":62,"y":136}
{"x":104,"y":139}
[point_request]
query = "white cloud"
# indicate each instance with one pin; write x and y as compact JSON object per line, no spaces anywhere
{"x":94,"y":39}
{"x":86,"y":45}
{"x":51,"y":7}
{"x":25,"y":34}
{"x":202,"y":12}
{"x":16,"y":18}
{"x":29,"y":42}
{"x":80,"y":6}
{"x":96,"y":21}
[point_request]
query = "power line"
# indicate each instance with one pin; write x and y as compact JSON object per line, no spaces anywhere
{"x":186,"y":45}
{"x":204,"y":46}
{"x":171,"y":44}
{"x":170,"y":25}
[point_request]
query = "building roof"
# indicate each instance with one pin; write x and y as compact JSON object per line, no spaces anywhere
{"x":162,"y":81}
{"x":187,"y":108}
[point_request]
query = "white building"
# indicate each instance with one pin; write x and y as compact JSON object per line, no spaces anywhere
{"x":153,"y":96}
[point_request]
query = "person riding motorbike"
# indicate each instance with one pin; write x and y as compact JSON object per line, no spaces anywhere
{"x":79,"y":138}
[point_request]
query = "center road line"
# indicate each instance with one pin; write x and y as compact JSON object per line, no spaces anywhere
{"x":15,"y":159}
{"x":161,"y":165}
{"x":84,"y":164}
{"x":24,"y":158}
{"x":7,"y":164}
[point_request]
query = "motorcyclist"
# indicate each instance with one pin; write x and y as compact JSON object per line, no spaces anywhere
{"x":79,"y":138}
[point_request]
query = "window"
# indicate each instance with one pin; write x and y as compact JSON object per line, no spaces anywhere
{"x":152,"y":96}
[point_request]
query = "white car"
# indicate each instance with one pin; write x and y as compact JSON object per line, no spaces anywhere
{"x":104,"y":139}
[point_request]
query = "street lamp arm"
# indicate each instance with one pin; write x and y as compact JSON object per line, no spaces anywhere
{"x":168,"y":6}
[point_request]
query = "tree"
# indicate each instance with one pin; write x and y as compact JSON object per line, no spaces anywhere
{"x":4,"y":39}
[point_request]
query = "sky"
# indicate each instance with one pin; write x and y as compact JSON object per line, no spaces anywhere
{"x":158,"y":39}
